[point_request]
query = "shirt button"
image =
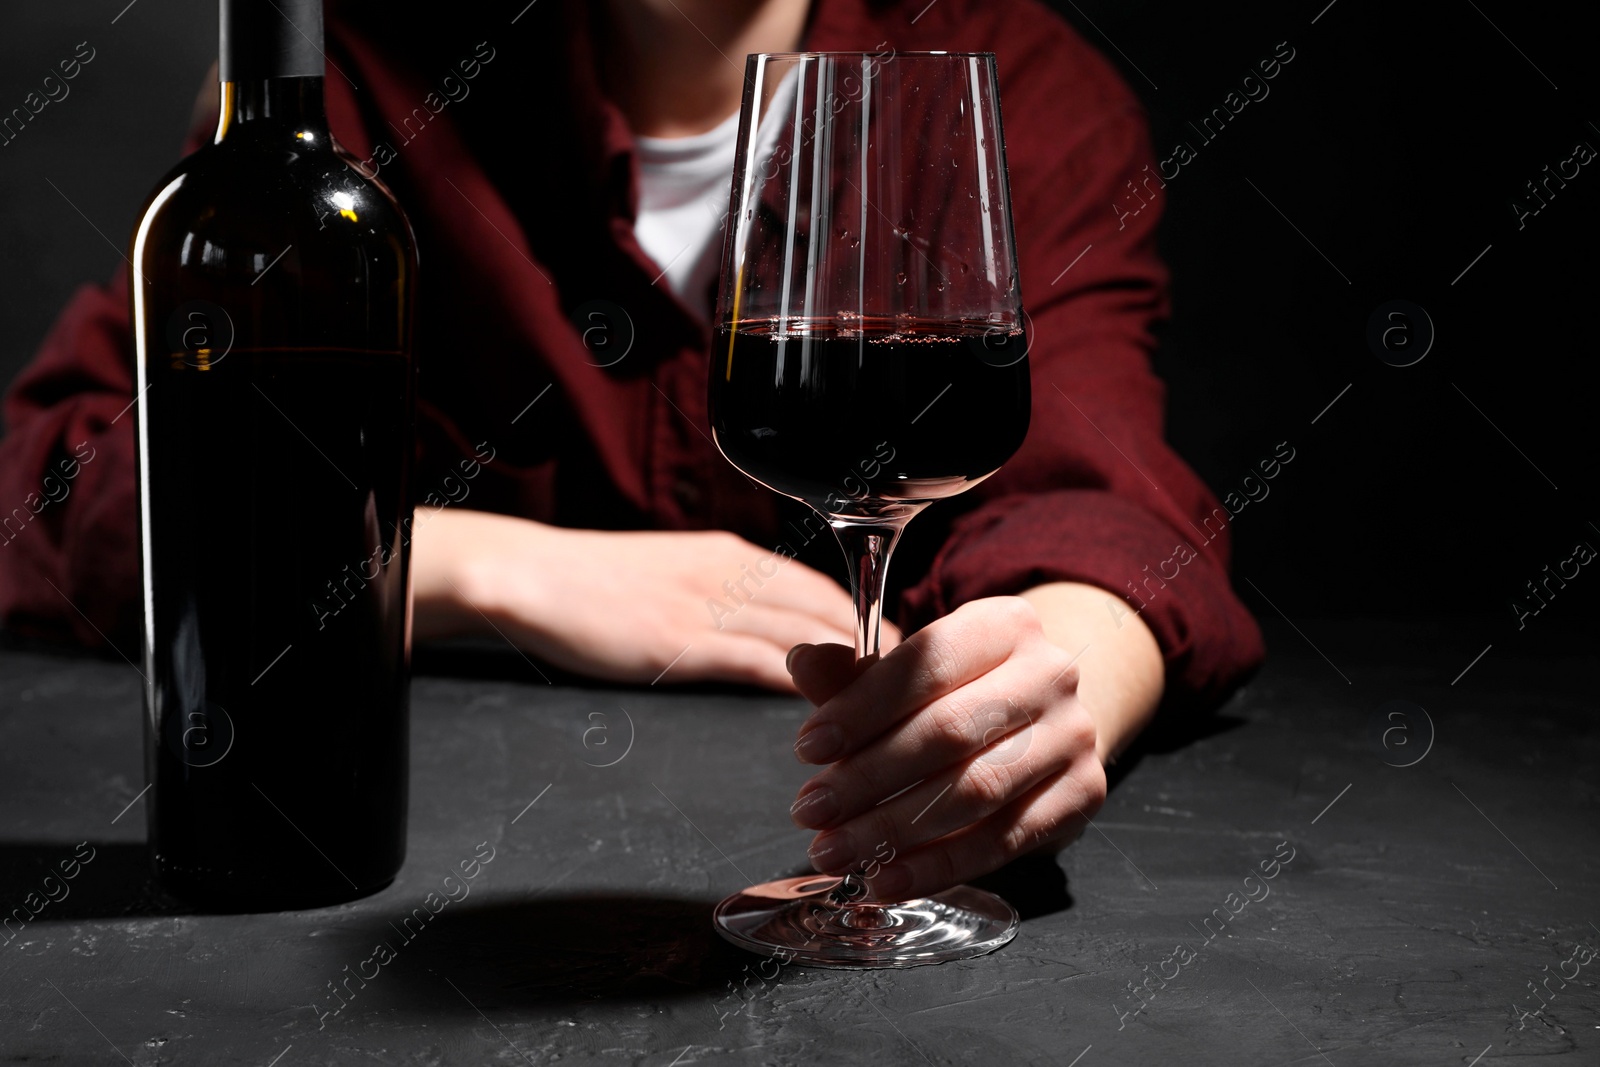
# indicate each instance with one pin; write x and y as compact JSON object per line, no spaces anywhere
{"x":687,"y":493}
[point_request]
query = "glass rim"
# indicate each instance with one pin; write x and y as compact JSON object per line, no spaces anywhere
{"x":855,"y":54}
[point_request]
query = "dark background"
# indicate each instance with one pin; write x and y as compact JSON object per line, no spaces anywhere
{"x":1391,"y":149}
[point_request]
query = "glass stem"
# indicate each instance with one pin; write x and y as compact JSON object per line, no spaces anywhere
{"x":866,"y":551}
{"x":867,"y":547}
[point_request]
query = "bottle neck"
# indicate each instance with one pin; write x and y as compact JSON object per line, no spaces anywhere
{"x":290,"y":106}
{"x":271,"y":65}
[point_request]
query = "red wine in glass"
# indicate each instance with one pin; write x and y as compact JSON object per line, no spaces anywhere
{"x":893,"y":414}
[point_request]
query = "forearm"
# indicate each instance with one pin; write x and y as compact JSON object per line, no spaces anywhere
{"x":1121,"y":671}
{"x":447,"y":588}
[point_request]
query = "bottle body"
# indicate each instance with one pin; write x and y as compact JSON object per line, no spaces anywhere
{"x":272,"y":290}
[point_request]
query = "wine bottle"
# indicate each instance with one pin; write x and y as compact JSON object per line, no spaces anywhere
{"x":272,"y":287}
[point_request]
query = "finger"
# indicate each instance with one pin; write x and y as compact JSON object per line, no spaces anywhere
{"x":808,"y":590}
{"x":936,"y":660}
{"x":821,"y":670}
{"x":781,"y":626}
{"x":735,"y":658}
{"x":960,"y":796}
{"x":808,"y":594}
{"x":802,"y":588}
{"x":988,"y":715}
{"x":1057,"y":809}
{"x":892,"y":637}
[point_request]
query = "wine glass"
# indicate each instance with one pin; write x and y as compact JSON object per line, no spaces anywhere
{"x":869,"y":359}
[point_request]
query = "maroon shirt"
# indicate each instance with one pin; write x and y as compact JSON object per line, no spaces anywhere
{"x":519,"y":177}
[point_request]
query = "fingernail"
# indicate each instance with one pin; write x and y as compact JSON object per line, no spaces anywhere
{"x":891,"y":884}
{"x":788,"y":661}
{"x":820,"y":744}
{"x":830,"y":854}
{"x":815,"y":809}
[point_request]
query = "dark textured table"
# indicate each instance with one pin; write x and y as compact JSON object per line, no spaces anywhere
{"x":1440,"y":912}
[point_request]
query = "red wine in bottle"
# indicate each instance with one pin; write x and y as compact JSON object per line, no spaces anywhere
{"x":872,"y":412}
{"x":272,"y":298}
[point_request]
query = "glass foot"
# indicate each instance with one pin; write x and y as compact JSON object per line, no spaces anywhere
{"x":812,"y":920}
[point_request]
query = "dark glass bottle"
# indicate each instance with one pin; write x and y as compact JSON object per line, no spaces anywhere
{"x":272,"y":292}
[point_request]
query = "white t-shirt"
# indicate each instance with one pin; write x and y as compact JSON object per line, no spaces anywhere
{"x":683,"y":196}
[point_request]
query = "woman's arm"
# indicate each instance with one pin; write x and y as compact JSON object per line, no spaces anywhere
{"x":624,"y":606}
{"x":1121,"y":674}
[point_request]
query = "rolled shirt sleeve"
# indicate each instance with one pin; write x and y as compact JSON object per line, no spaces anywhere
{"x":1095,"y":495}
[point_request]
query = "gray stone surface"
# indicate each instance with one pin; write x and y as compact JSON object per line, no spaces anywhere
{"x":1420,"y":906}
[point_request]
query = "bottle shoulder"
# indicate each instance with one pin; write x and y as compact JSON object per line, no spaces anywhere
{"x":242,"y":188}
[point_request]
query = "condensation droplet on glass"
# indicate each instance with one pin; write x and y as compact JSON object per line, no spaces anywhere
{"x":965,"y":269}
{"x":900,"y":279}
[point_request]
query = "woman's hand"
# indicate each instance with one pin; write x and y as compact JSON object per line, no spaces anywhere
{"x":978,"y":724}
{"x":624,"y":606}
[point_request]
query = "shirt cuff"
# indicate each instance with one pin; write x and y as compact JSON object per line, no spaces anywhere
{"x":1177,"y":584}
